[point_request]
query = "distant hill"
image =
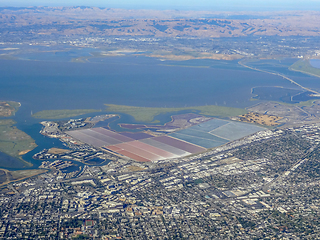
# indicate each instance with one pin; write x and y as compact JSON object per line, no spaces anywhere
{"x":169,"y":23}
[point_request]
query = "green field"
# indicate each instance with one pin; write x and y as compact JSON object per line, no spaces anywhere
{"x":304,"y":66}
{"x":147,"y":114}
{"x":59,"y":114}
{"x":13,"y":141}
{"x":300,"y":104}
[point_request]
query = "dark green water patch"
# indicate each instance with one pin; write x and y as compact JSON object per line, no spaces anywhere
{"x":275,"y":94}
{"x":70,"y":169}
{"x":9,"y":162}
{"x":96,"y":161}
{"x":305,"y":96}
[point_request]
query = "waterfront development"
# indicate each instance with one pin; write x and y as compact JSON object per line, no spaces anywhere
{"x":147,"y":124}
{"x":189,"y":89}
{"x":204,"y":164}
{"x":227,"y":192}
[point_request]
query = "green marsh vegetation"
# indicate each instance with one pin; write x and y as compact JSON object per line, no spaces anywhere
{"x":66,"y":113}
{"x":147,"y":114}
{"x":304,"y":66}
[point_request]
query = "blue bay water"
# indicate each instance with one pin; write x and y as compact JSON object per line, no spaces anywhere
{"x":315,"y":63}
{"x":40,"y":85}
{"x":136,"y":81}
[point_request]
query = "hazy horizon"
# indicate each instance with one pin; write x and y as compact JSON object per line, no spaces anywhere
{"x":227,"y":5}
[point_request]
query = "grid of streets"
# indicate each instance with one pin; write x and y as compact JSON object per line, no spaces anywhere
{"x":263,"y":186}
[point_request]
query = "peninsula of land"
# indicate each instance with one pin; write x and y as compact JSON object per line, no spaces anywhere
{"x":304,"y":66}
{"x":13,"y":142}
{"x":8,"y":108}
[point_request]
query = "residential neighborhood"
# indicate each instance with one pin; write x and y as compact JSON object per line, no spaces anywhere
{"x":262,"y":186}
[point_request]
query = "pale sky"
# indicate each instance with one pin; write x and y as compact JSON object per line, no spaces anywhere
{"x":219,"y":5}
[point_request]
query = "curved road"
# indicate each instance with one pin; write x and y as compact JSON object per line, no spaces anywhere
{"x":280,"y":75}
